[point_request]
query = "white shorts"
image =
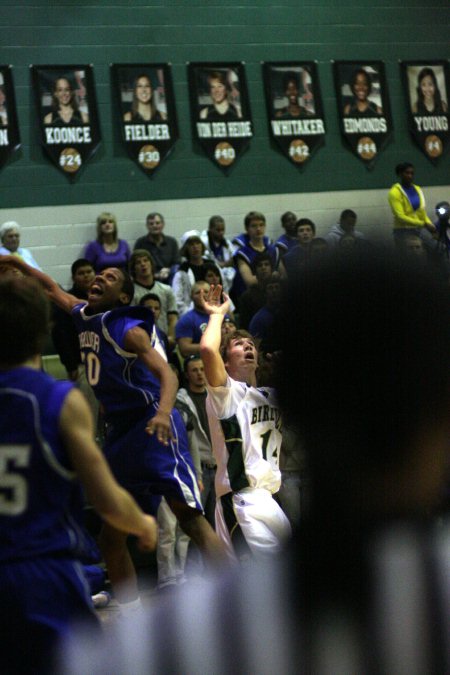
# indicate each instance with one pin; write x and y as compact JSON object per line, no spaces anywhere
{"x":251,"y":523}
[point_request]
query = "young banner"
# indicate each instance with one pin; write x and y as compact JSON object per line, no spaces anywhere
{"x":426,"y":86}
{"x":146,"y":106}
{"x":67,"y":111}
{"x":9,"y":128}
{"x":220,"y":110}
{"x":294,"y":108}
{"x":363,"y":104}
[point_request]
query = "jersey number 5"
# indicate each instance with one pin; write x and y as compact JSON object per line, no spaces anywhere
{"x":13,"y":486}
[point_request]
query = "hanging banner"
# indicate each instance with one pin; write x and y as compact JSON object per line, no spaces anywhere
{"x":294,"y":108}
{"x":67,"y":110}
{"x":146,"y":106}
{"x":220,"y":110}
{"x":9,"y":127}
{"x":426,"y":85}
{"x":363,"y":104}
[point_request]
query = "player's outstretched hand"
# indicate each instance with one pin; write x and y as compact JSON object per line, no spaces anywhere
{"x":147,"y":540}
{"x":213,"y":303}
{"x":160,"y":425}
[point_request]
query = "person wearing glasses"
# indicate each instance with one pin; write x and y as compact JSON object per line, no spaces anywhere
{"x":107,"y":250}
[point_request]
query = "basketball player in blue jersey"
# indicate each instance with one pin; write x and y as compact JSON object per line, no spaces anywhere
{"x":146,"y":443}
{"x":46,"y":442}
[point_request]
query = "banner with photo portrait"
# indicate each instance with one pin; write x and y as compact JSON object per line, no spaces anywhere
{"x":426,"y":86}
{"x":364,"y":108}
{"x":9,"y":127}
{"x":146,"y":109}
{"x":294,"y":108}
{"x":67,"y":113}
{"x":220,"y":111}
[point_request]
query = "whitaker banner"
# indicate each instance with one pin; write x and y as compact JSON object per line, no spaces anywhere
{"x":426,"y":86}
{"x":363,"y":104}
{"x":294,"y":108}
{"x":146,"y":105}
{"x":67,"y":110}
{"x":9,"y":128}
{"x":220,"y":110}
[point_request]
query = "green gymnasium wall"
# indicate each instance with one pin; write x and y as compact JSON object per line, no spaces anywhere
{"x":107,"y":31}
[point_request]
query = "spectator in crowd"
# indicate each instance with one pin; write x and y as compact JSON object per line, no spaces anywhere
{"x":262,"y":324}
{"x":346,"y":225}
{"x":408,"y":207}
{"x":192,"y":269}
{"x":254,"y":297}
{"x":162,"y":248}
{"x":160,"y":342}
{"x":192,"y":324}
{"x":442,"y":225}
{"x":220,"y":250}
{"x":107,"y":250}
{"x":65,"y":336}
{"x":10,"y":238}
{"x":142,"y":272}
{"x":288,"y":240}
{"x":192,"y":400}
{"x":306,"y":231}
{"x":250,"y":243}
{"x":214,"y":276}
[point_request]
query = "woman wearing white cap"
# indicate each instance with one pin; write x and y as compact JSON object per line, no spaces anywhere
{"x":10,"y":238}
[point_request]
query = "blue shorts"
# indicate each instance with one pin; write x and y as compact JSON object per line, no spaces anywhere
{"x":40,"y":602}
{"x":143,"y":465}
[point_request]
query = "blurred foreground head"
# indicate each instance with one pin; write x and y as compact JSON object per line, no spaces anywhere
{"x":364,"y":381}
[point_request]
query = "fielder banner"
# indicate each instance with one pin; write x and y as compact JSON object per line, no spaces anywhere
{"x":426,"y":86}
{"x":294,"y":108}
{"x":9,"y":128}
{"x":146,"y":108}
{"x":220,"y":110}
{"x":67,"y":111}
{"x":364,"y":109}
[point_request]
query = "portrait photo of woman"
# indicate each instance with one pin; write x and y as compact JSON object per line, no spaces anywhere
{"x":223,"y":95}
{"x":295,"y":97}
{"x":363,"y":103}
{"x":144,"y":106}
{"x":65,"y":109}
{"x":428,"y":98}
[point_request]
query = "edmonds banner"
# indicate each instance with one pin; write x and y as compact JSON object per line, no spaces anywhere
{"x":363,"y":104}
{"x":146,"y":105}
{"x":9,"y":128}
{"x":294,"y":108}
{"x":220,"y":110}
{"x":426,"y":86}
{"x":67,"y":110}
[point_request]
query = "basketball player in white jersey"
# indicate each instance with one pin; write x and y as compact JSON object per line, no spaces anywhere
{"x":245,"y":428}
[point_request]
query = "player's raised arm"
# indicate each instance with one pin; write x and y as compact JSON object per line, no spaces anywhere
{"x":55,"y":293}
{"x":138,"y":342}
{"x":210,"y":343}
{"x":113,"y":503}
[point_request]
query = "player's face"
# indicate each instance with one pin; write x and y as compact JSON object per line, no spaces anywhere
{"x":11,"y":240}
{"x":256,"y":229}
{"x":242,"y":356}
{"x":154,"y":306}
{"x":217,"y":90}
{"x":361,"y":87}
{"x":143,"y":90}
{"x":305,"y":234}
{"x":195,"y":374}
{"x":63,"y":91}
{"x":427,"y":88}
{"x":106,"y":290}
{"x":143,"y":267}
{"x":83,"y":277}
{"x":292,"y":91}
{"x":155,"y":225}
